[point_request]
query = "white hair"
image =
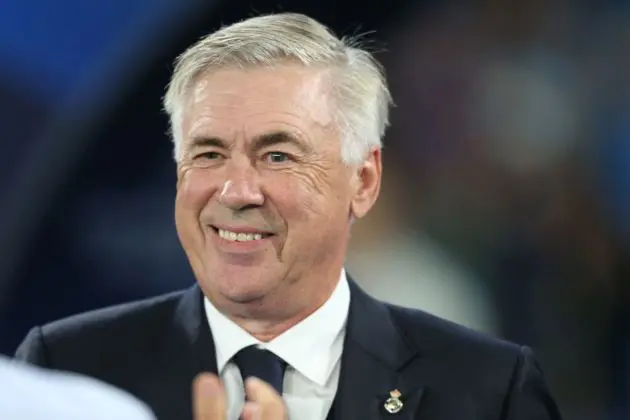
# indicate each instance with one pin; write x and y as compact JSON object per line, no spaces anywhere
{"x":359,"y":89}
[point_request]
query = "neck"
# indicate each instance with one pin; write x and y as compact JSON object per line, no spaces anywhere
{"x":266,"y":329}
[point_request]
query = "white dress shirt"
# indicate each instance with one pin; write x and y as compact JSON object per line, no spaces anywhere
{"x":312,"y":350}
{"x":31,"y":393}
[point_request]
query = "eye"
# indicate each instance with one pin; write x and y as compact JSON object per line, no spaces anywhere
{"x":276,"y":157}
{"x":209,"y":155}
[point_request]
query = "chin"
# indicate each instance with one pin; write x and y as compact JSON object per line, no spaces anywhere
{"x":243,"y":289}
{"x":245,"y":298}
{"x":241,"y":283}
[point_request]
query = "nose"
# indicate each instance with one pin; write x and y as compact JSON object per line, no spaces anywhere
{"x":241,"y":188}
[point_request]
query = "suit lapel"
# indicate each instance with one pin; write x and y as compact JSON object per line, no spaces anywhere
{"x":374,"y":355}
{"x":186,"y":350}
{"x":192,"y":323}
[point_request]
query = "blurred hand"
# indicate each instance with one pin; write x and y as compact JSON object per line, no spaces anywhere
{"x":210,"y":402}
{"x":263,"y":402}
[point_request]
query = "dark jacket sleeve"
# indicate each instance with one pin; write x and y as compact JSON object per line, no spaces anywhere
{"x":33,"y":349}
{"x":528,"y":397}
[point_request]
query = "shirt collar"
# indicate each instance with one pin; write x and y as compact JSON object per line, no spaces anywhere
{"x":312,"y":347}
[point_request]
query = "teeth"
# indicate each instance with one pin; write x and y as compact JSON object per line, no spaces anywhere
{"x":239,"y":237}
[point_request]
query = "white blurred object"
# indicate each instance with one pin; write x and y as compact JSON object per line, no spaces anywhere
{"x":413,"y":272}
{"x":31,"y":393}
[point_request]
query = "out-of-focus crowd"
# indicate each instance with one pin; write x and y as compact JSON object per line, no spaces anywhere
{"x":507,"y":185}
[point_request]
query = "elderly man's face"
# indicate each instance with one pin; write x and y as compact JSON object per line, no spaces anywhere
{"x":264,"y":200}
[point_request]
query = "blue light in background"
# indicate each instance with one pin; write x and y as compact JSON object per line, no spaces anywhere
{"x":49,"y":48}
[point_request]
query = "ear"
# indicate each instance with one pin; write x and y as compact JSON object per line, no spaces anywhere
{"x":179,"y":171}
{"x":367,"y":184}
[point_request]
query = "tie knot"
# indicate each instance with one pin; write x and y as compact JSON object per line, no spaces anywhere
{"x":261,"y":363}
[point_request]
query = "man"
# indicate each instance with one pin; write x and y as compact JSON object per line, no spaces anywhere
{"x":277,"y":126}
{"x":30,"y":393}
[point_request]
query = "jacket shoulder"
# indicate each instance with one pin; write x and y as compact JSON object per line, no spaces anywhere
{"x":431,"y":334}
{"x":103,"y":340}
{"x":116,"y":319}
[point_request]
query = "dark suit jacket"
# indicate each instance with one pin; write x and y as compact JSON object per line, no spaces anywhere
{"x":154,"y":348}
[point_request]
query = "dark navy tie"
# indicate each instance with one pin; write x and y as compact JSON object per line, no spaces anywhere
{"x":263,"y":364}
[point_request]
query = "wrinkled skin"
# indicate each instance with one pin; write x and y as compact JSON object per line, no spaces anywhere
{"x":261,"y":151}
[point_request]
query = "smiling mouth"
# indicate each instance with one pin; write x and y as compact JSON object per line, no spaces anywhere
{"x":240,"y":236}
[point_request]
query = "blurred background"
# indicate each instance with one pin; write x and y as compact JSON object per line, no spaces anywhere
{"x":506,"y":196}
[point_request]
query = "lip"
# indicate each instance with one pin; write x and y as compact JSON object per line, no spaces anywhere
{"x":236,"y":247}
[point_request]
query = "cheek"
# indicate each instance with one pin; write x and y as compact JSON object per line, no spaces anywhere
{"x":195,"y":189}
{"x":311,"y":197}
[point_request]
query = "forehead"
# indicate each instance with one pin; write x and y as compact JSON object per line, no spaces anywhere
{"x":232,"y":101}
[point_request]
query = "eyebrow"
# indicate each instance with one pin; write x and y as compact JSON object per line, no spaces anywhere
{"x":260,"y":142}
{"x":201,"y":141}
